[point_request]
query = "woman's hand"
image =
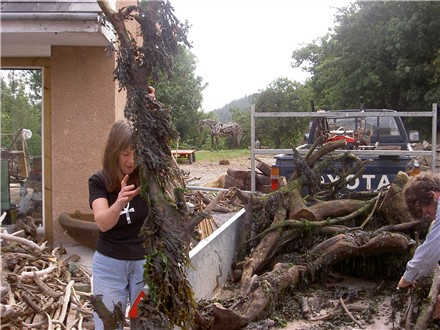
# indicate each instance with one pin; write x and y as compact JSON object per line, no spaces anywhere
{"x":127,"y":193}
{"x":404,"y":284}
{"x":107,"y":217}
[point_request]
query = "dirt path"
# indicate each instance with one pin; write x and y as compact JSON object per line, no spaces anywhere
{"x":206,"y":172}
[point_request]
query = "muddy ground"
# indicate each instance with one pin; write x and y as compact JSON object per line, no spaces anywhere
{"x":372,"y":298}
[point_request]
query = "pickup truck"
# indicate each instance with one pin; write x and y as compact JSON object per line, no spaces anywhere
{"x":362,"y":133}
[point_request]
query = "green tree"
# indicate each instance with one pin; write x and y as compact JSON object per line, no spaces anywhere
{"x":182,"y":92}
{"x":387,"y":51}
{"x":282,"y":95}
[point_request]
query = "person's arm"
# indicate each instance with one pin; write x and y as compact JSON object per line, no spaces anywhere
{"x":425,"y":257}
{"x":107,"y":217}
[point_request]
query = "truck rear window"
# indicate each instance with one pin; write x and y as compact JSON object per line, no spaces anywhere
{"x":387,"y":125}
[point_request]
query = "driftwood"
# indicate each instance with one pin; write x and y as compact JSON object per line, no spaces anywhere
{"x":38,"y":286}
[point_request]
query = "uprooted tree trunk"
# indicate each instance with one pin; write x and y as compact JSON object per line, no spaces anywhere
{"x":168,"y":228}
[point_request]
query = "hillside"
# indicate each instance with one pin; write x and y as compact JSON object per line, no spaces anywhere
{"x":224,"y":114}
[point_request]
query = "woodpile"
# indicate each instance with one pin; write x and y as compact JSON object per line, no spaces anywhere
{"x":201,"y":199}
{"x":42,"y":288}
{"x":241,"y":179}
{"x":208,"y":202}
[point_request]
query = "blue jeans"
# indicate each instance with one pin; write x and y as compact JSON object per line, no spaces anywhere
{"x":117,"y":281}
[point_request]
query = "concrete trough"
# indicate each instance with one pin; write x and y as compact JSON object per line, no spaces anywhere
{"x":211,"y":259}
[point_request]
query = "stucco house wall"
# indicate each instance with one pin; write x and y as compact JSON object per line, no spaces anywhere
{"x":83,"y":110}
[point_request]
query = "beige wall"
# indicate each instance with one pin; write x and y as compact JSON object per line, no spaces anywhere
{"x":84,"y":106}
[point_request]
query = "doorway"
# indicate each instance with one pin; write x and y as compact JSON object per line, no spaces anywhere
{"x":22,"y":146}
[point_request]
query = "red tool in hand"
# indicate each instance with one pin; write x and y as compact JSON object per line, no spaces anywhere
{"x":133,"y":313}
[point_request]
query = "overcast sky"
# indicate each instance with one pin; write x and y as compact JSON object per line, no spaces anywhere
{"x":243,"y":45}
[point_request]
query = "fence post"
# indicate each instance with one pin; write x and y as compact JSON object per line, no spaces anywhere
{"x":252,"y":148}
{"x":434,"y":137}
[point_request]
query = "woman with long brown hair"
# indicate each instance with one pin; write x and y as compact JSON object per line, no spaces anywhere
{"x":119,"y":212}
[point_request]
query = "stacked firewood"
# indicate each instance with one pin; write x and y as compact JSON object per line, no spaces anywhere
{"x":241,"y":179}
{"x":42,"y":287}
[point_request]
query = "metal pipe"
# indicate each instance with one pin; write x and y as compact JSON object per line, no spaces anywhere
{"x":375,"y":152}
{"x":49,"y":16}
{"x":343,"y":114}
{"x":253,"y":188}
{"x":211,"y":189}
{"x":434,"y":137}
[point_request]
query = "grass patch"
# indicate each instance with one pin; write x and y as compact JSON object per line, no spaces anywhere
{"x":215,"y":156}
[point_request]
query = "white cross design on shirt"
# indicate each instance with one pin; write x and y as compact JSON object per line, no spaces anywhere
{"x":127,"y":211}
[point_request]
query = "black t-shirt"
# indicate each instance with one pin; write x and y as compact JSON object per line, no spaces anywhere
{"x":123,"y":240}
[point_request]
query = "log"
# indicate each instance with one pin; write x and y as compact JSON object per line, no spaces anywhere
{"x":334,"y":208}
{"x":231,"y":182}
{"x":245,"y":176}
{"x":264,"y":188}
{"x":344,"y":246}
{"x":260,"y":253}
{"x":263,"y":167}
{"x":266,"y":289}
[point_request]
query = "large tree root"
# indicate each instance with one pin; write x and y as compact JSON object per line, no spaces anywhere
{"x":273,"y":238}
{"x":263,"y":290}
{"x":262,"y":251}
{"x":343,"y":246}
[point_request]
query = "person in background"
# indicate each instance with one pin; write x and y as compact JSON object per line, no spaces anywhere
{"x":422,"y":194}
{"x":119,"y":212}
